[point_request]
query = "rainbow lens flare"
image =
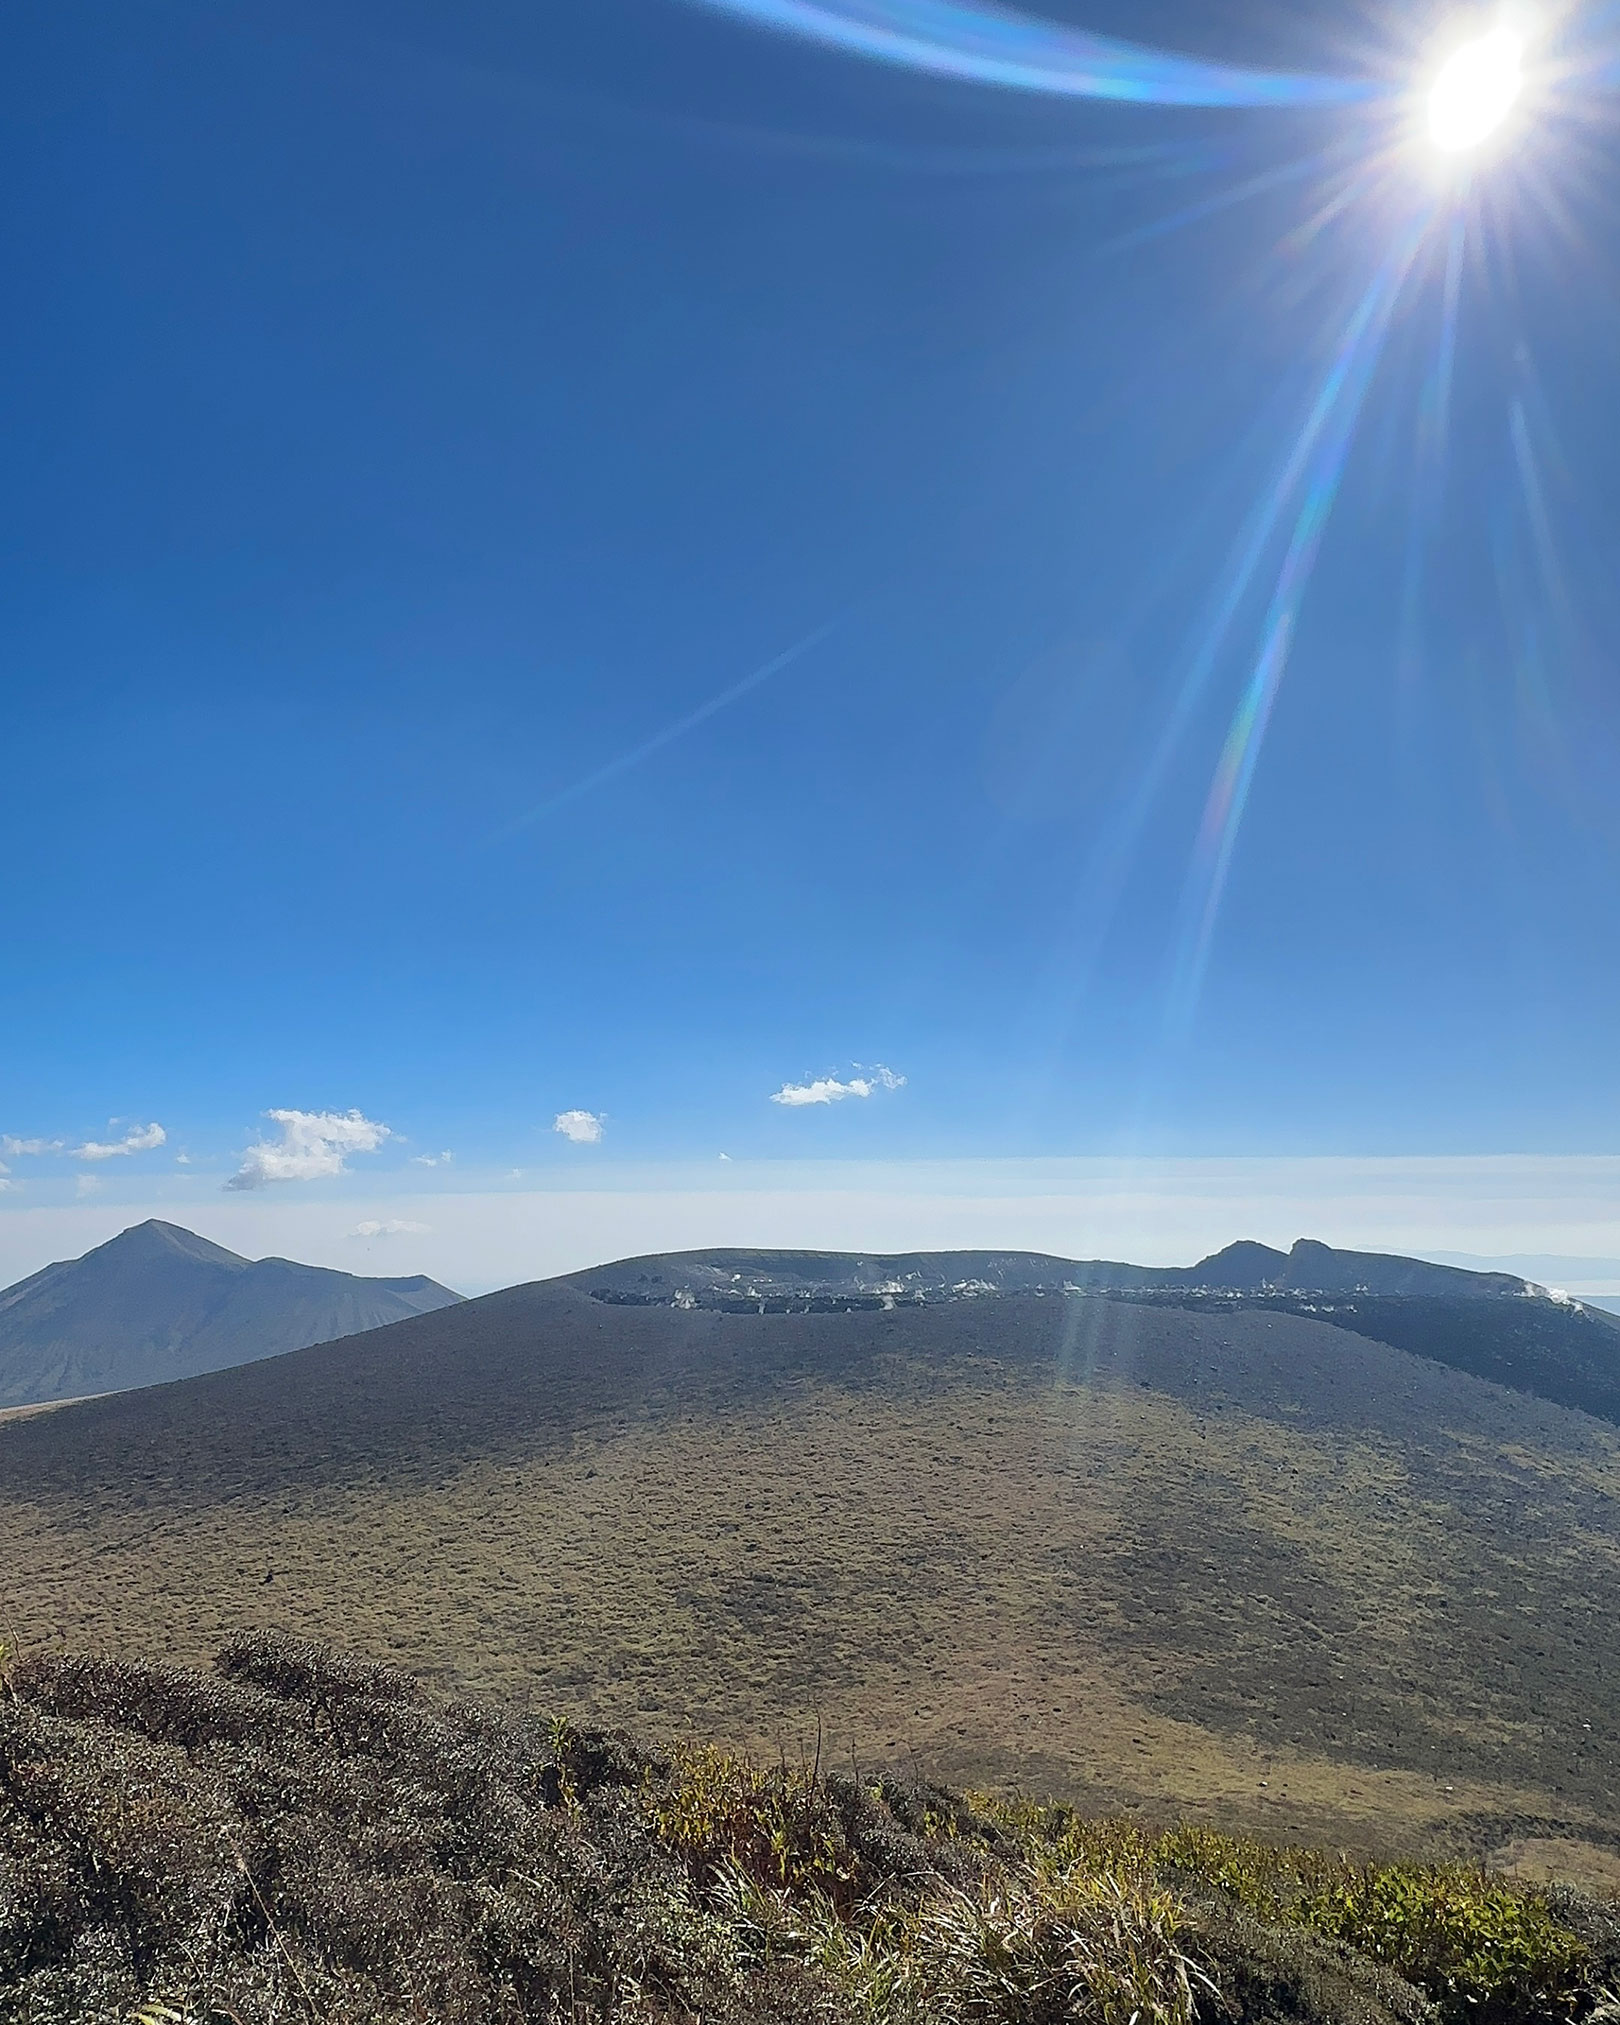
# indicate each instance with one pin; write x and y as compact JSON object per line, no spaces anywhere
{"x":994,"y":45}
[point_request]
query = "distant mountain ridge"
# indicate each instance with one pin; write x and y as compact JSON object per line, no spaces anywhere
{"x":157,"y":1303}
{"x":746,"y":1277}
{"x":1492,"y":1325}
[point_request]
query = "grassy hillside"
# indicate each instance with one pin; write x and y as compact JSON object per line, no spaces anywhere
{"x":294,"y":1836}
{"x":1247,"y":1566}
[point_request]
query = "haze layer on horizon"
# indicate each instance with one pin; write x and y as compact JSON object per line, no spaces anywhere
{"x":1554,"y":1220}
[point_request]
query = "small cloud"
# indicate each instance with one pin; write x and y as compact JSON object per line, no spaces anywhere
{"x":182,"y":1160}
{"x":87,"y":1184}
{"x":138,"y":1139}
{"x":431,"y":1159}
{"x":514,"y":1174}
{"x":584,"y":1128}
{"x":830,"y":1090}
{"x":726,"y":1157}
{"x":18,"y":1149}
{"x":8,"y":1187}
{"x":312,"y":1147}
{"x":393,"y":1226}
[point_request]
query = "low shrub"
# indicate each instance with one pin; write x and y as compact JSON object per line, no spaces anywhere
{"x":1482,"y":1948}
{"x":293,"y":1837}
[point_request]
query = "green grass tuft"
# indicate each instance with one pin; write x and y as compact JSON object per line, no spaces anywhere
{"x":1479,"y":1945}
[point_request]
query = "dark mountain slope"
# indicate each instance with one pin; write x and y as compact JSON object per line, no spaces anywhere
{"x":1191,"y":1558}
{"x":1314,"y":1268}
{"x":1492,"y":1325}
{"x":1562,"y":1351}
{"x":158,"y":1303}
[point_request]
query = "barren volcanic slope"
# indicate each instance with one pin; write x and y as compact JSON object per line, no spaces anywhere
{"x":158,"y":1302}
{"x":1240,"y":1562}
{"x":1491,"y":1324}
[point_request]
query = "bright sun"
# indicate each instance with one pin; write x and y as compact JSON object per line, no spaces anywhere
{"x":1475,"y":90}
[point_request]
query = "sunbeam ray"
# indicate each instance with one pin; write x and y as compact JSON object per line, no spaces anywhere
{"x":1108,"y":863}
{"x":1433,"y":430}
{"x":1255,"y":539}
{"x":1222,"y":200}
{"x":1339,"y":408}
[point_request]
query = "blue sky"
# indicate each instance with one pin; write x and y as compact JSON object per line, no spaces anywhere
{"x":412,"y":414}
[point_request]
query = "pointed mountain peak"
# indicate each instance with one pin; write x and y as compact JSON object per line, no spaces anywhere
{"x":156,"y":1239}
{"x":1241,"y":1266}
{"x":1305,"y":1253}
{"x":158,"y":1302}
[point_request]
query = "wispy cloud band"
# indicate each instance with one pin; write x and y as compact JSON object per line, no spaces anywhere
{"x":138,"y":1139}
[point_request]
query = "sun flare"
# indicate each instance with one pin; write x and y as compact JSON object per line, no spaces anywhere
{"x":1477,"y":87}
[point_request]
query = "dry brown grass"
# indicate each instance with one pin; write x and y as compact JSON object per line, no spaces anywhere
{"x":1245,"y":1568}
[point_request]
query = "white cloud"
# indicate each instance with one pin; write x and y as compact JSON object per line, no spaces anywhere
{"x":432,"y":1159}
{"x":17,"y":1149}
{"x":584,"y":1128}
{"x":829,"y":1089}
{"x":391,"y":1226}
{"x":138,"y":1139}
{"x":313,"y":1146}
{"x":87,"y":1184}
{"x":182,"y":1160}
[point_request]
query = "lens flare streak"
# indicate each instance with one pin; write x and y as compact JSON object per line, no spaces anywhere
{"x":985,"y":44}
{"x":1332,"y":426}
{"x":1109,"y":866}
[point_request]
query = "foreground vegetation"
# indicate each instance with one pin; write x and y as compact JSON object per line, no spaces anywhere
{"x":297,"y":1836}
